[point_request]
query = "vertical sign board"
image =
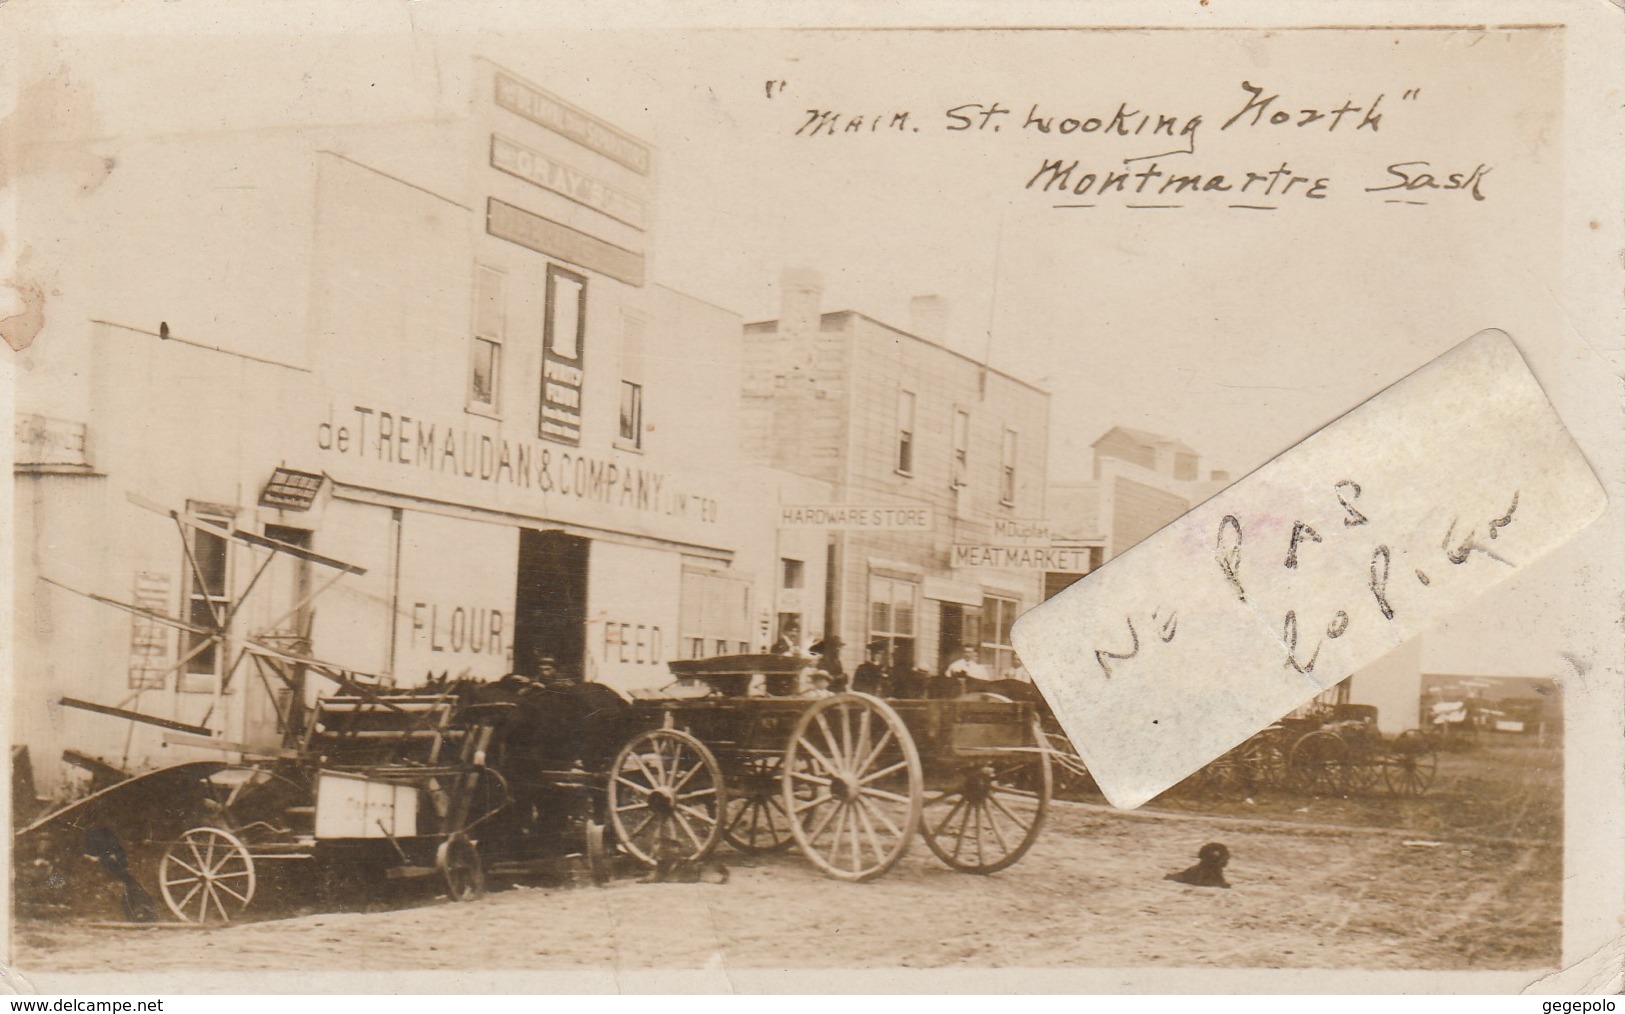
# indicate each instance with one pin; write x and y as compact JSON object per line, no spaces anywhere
{"x":454,"y":607}
{"x":563,"y":355}
{"x":149,"y":639}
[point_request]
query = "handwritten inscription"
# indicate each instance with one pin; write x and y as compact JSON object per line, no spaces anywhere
{"x":1129,"y":133}
{"x":1394,"y":517}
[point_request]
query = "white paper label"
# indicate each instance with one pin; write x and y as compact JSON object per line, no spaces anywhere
{"x":1391,"y":518}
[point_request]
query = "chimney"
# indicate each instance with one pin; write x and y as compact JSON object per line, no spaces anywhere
{"x":801,"y":297}
{"x":928,"y":318}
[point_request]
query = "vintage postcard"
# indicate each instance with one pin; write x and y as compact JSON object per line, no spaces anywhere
{"x":700,"y":498}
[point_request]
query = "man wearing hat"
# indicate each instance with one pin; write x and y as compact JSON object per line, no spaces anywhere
{"x":829,"y":660}
{"x":870,"y":678}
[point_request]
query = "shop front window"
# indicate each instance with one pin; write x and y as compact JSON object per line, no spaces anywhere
{"x":207,"y":601}
{"x":892,"y":620}
{"x":714,"y":614}
{"x":998,"y":616}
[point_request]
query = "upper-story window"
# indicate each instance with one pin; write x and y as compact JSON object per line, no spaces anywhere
{"x":631,"y":431}
{"x":961,"y":462}
{"x":905,"y":432}
{"x":793,"y":573}
{"x":563,"y":334}
{"x":490,"y":330}
{"x":1007,"y":469}
{"x":630,"y":434}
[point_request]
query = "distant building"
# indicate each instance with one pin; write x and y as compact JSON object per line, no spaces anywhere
{"x":954,"y":452}
{"x":1511,"y":704}
{"x":1143,"y":481}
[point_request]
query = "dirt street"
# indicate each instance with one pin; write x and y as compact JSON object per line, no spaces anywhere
{"x":1091,"y":893}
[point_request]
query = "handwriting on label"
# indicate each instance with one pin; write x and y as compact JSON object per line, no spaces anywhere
{"x":1395,"y":516}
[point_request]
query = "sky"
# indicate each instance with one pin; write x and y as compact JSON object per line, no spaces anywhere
{"x":1238,"y":330}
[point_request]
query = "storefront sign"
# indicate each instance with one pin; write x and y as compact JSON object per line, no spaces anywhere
{"x":555,"y":239}
{"x":632,"y":603}
{"x":850,"y":517}
{"x":149,"y":638}
{"x":563,"y":118}
{"x":1060,"y":559}
{"x":41,"y":440}
{"x":455,"y":607}
{"x":1018,"y":532}
{"x":550,"y":173}
{"x":410,"y":445}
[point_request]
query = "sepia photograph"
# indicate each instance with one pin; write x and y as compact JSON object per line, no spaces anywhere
{"x":558,"y":502}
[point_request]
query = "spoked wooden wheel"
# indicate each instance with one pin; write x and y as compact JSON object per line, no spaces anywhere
{"x":852,"y":785}
{"x":459,"y":863}
{"x":992,"y":812}
{"x":1319,"y":764}
{"x":1410,"y":765}
{"x":666,"y":797}
{"x":1364,"y":773}
{"x":1264,"y":764}
{"x":207,"y":876}
{"x":1226,"y":777}
{"x":757,"y":818}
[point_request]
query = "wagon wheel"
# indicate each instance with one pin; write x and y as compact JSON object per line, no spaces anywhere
{"x":993,"y":812}
{"x":458,"y":860}
{"x":1319,"y":764}
{"x":1365,"y":770}
{"x":1071,"y":777}
{"x":207,"y":876}
{"x":1226,"y":777}
{"x":1410,"y":765}
{"x":1264,"y":764}
{"x":757,"y":818}
{"x":853,"y":785}
{"x":666,"y":797}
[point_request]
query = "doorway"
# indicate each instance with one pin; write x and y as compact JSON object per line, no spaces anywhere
{"x":550,"y":601}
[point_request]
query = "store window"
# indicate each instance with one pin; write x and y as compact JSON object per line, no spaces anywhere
{"x":563,"y":333}
{"x":490,"y":331}
{"x":892,"y":611}
{"x":1007,"y":469}
{"x":207,"y":577}
{"x":961,"y":462}
{"x":905,"y":432}
{"x":714,"y":614}
{"x":998,"y":616}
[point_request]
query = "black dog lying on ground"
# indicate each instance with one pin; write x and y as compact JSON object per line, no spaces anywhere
{"x":1209,"y":870}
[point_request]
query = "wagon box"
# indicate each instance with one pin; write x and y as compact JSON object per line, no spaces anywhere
{"x":353,"y":806}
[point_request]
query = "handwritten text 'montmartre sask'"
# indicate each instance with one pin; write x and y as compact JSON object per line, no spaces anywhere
{"x":419,"y":445}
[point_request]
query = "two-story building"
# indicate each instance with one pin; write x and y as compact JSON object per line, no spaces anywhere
{"x":429,"y":349}
{"x":934,"y":464}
